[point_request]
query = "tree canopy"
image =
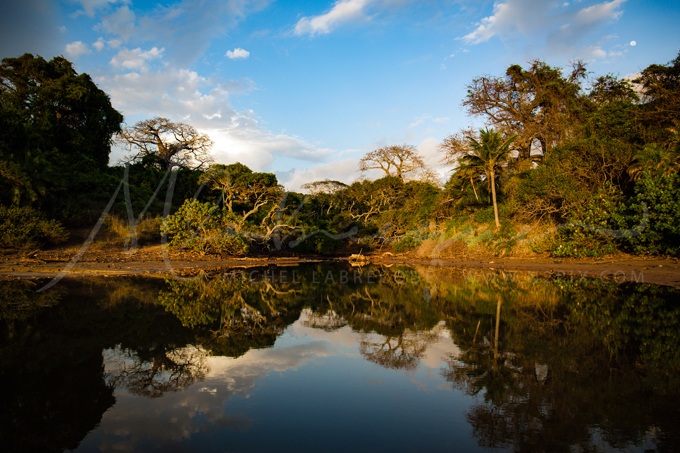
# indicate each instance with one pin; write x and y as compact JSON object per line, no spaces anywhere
{"x":48,"y":110}
{"x":166,"y":144}
{"x":539,"y":104}
{"x":401,"y":161}
{"x":56,"y":128}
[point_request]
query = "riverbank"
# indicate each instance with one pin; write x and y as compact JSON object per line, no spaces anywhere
{"x":159,"y":261}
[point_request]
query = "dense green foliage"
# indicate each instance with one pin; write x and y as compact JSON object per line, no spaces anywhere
{"x":601,"y":176}
{"x":204,"y":227}
{"x":56,"y":128}
{"x":25,"y":227}
{"x":572,"y":167}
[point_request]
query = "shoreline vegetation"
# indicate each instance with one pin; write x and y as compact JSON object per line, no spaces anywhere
{"x":156,"y":261}
{"x":572,"y":174}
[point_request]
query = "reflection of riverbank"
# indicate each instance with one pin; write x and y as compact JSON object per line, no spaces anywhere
{"x":154,"y":262}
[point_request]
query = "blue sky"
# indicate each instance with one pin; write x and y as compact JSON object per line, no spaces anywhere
{"x":306,"y":88}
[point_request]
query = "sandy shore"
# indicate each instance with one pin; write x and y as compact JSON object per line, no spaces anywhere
{"x":156,"y":261}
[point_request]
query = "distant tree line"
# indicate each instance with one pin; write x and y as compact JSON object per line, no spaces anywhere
{"x":571,"y":165}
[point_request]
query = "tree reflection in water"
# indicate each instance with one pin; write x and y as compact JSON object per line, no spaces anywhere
{"x":570,"y":368}
{"x":551,"y":364}
{"x":231,"y":313}
{"x":403,"y":351}
{"x":156,"y":373}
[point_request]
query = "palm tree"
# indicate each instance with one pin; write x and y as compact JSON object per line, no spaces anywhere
{"x":487,"y":155}
{"x":657,"y":159}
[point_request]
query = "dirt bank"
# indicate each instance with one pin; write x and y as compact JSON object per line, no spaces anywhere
{"x":158,"y":261}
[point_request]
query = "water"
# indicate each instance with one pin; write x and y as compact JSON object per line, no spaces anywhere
{"x":324,"y":357}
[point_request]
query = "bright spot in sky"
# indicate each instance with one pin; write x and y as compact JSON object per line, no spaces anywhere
{"x":633,"y":43}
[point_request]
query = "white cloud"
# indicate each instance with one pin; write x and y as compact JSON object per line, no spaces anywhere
{"x":76,"y":49}
{"x":514,"y":16}
{"x":432,"y":156}
{"x":199,"y":407}
{"x":419,"y":121}
{"x":567,"y":29}
{"x":185,"y":28}
{"x":241,"y":138}
{"x":586,"y":21}
{"x":90,"y":7}
{"x":342,"y":12}
{"x":188,"y":27}
{"x":173,"y":93}
{"x":99,"y":44}
{"x":121,"y":23}
{"x":597,"y":53}
{"x":183,"y":95}
{"x":135,"y":59}
{"x":237,"y":53}
{"x":425,"y":119}
{"x":600,"y":12}
{"x":344,"y":170}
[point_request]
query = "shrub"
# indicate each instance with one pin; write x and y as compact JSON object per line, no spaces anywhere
{"x":594,"y":226}
{"x":654,"y":209}
{"x":409,"y":242}
{"x":147,"y":230}
{"x":24,"y":227}
{"x":204,"y":227}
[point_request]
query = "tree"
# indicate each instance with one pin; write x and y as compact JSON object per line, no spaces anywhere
{"x":327,"y":186}
{"x":485,"y":156}
{"x":244,"y":192}
{"x":608,"y":89}
{"x":398,"y":161}
{"x":326,"y":193}
{"x":368,"y":200}
{"x":655,"y":160}
{"x":612,"y":107}
{"x":250,"y":204}
{"x":660,"y":109}
{"x":56,"y":128}
{"x":453,"y":146}
{"x":165,"y":144}
{"x":539,"y":104}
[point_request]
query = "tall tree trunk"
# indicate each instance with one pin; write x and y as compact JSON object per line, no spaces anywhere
{"x":474,"y":189}
{"x":492,"y":177}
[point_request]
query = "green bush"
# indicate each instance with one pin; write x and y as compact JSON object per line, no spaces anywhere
{"x":485,"y":215}
{"x":655,"y":210}
{"x":594,"y":226}
{"x":24,"y":227}
{"x":409,"y":242}
{"x":204,"y":227}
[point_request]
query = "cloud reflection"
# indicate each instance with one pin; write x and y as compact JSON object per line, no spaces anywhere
{"x":212,"y":404}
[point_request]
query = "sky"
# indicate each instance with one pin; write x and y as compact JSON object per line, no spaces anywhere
{"x":306,"y":88}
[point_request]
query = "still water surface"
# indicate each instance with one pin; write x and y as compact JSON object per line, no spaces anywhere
{"x":324,"y":357}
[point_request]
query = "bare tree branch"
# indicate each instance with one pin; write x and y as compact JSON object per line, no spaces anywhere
{"x":161,"y":142}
